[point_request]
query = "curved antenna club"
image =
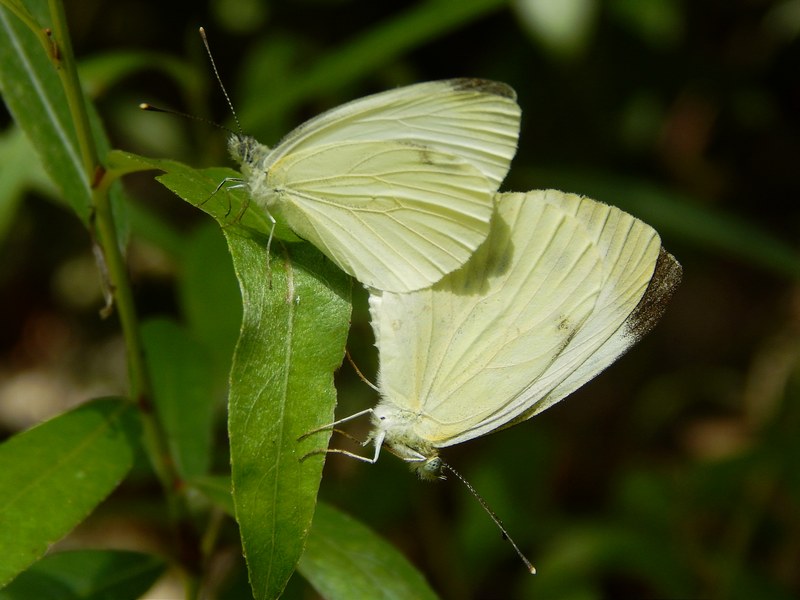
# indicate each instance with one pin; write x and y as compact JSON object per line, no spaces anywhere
{"x":219,"y":80}
{"x":493,"y":516}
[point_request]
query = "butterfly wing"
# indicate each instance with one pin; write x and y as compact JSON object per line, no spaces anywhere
{"x":640,"y":279}
{"x":545,"y":305}
{"x":397,"y":216}
{"x":475,"y":119}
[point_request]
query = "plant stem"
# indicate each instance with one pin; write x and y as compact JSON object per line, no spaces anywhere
{"x":68,"y":72}
{"x":114,"y":272}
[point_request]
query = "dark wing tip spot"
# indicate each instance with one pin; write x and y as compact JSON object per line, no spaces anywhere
{"x":663,"y":283}
{"x":484,"y":85}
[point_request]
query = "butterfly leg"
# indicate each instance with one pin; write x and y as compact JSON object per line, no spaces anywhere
{"x":335,"y":423}
{"x":365,"y":459}
{"x":378,"y":440}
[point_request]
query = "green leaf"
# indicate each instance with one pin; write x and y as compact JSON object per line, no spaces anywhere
{"x":380,"y":44}
{"x":101,"y":72}
{"x":147,"y":225}
{"x":182,"y":376}
{"x":204,"y":189}
{"x":89,"y":575}
{"x":294,"y":329}
{"x":293,"y":338}
{"x":217,"y":488}
{"x":53,"y":475}
{"x":658,"y":23}
{"x":344,"y":559}
{"x":34,"y":95}
{"x":210,"y":295}
{"x":21,"y":171}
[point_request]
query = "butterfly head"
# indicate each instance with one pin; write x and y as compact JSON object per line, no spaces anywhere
{"x":247,"y":151}
{"x":395,"y":427}
{"x":429,"y":469}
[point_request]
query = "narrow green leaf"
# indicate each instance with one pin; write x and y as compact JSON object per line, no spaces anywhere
{"x":106,"y":70}
{"x":210,"y":294}
{"x":182,"y":375}
{"x":381,"y":43}
{"x":34,"y":95}
{"x":293,"y":337}
{"x":52,"y":476}
{"x":89,"y":575}
{"x":217,"y":488}
{"x":294,"y":329}
{"x":344,"y":559}
{"x":21,"y":171}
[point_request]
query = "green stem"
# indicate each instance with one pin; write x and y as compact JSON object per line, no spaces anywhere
{"x":68,"y":72}
{"x":114,"y":271}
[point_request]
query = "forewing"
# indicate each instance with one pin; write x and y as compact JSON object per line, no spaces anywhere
{"x":475,"y":119}
{"x":461,"y":354}
{"x":396,"y":216}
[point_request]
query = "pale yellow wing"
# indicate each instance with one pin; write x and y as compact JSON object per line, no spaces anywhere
{"x":475,"y":119}
{"x":545,"y":305}
{"x":396,"y":216}
{"x":640,"y":279}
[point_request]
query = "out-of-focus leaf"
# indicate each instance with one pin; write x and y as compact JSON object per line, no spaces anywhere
{"x":658,"y":23}
{"x":344,"y":559}
{"x":88,"y":575}
{"x":675,"y":216}
{"x":154,"y":229}
{"x":52,"y":476}
{"x":383,"y":42}
{"x":21,"y":170}
{"x":100,"y":72}
{"x":216,"y":488}
{"x":586,"y":548}
{"x":210,"y":295}
{"x":562,"y":26}
{"x":34,"y":95}
{"x":182,"y":376}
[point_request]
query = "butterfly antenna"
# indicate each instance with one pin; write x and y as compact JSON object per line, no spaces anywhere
{"x":358,"y":371}
{"x":171,"y":111}
{"x":493,"y":516}
{"x":219,"y":80}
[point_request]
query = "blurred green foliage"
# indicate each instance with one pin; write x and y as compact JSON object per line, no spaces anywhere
{"x":670,"y":476}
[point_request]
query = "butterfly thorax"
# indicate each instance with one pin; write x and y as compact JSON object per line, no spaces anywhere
{"x":397,"y":428}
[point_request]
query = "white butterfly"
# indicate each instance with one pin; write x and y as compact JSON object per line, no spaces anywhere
{"x":395,"y":188}
{"x":562,"y":287}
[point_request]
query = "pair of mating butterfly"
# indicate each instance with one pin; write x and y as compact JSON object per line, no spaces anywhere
{"x":487,"y":307}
